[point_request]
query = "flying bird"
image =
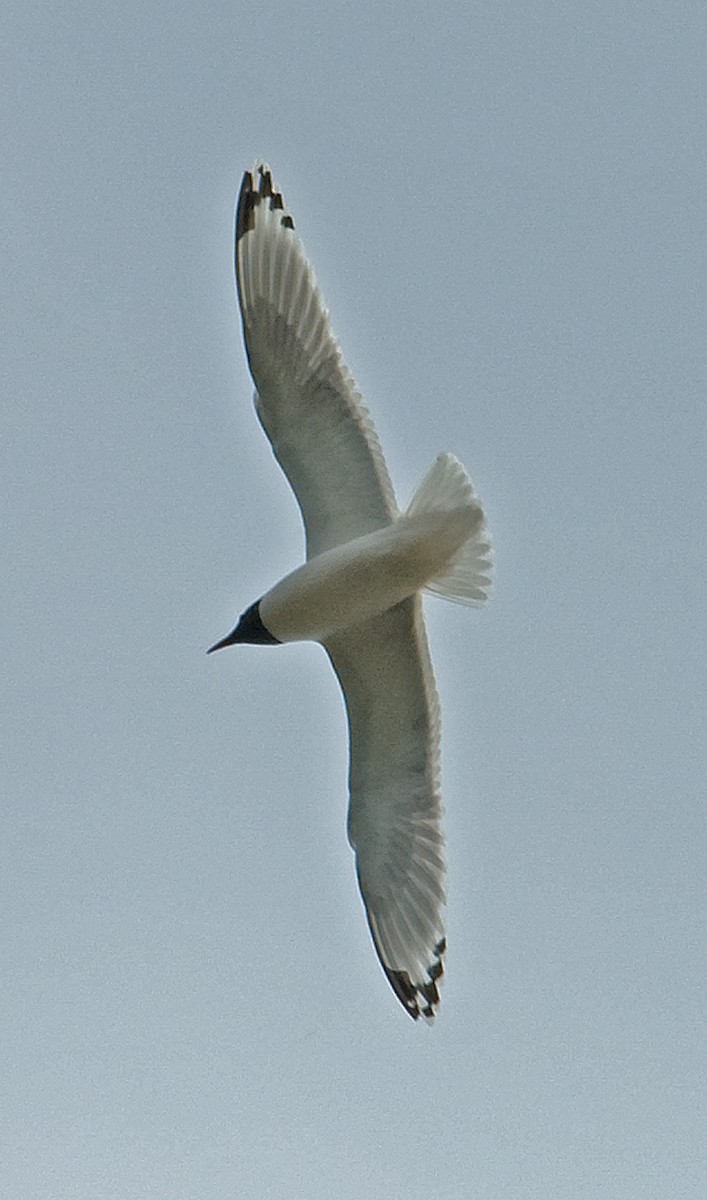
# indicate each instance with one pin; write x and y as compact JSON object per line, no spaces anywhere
{"x":359,"y":591}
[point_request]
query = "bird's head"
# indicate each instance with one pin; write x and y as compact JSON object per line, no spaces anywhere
{"x":249,"y":629}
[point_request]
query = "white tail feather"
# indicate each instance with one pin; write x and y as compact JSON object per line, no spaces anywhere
{"x":447,"y":488}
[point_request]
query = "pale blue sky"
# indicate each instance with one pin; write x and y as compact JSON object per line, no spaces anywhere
{"x":505,"y":207}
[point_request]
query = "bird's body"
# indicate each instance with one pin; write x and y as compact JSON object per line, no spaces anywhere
{"x":358,"y":591}
{"x":362,"y":578}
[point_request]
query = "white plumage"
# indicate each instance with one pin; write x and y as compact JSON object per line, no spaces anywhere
{"x":359,"y":591}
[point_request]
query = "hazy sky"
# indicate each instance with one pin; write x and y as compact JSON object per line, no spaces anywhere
{"x":505,"y":207}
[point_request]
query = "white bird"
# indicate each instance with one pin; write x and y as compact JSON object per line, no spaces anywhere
{"x":358,"y":593}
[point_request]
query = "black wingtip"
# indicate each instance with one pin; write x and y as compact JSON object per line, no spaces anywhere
{"x":247,"y":200}
{"x":253,"y":191}
{"x":418,"y":999}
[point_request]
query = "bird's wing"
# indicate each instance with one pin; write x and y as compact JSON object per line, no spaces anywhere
{"x":386,"y":676}
{"x":306,"y":400}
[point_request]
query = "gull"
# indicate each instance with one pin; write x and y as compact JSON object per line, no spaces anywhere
{"x":359,"y":591}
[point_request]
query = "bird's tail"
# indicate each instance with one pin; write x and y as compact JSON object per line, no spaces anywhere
{"x":466,"y":578}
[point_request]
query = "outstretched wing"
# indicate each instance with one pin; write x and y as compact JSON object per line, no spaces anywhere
{"x":386,"y":676}
{"x":306,"y":400}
